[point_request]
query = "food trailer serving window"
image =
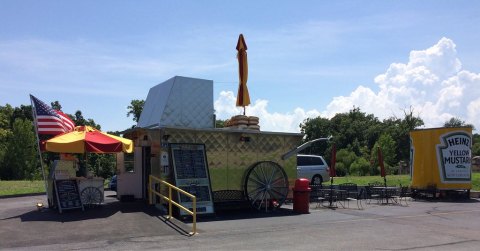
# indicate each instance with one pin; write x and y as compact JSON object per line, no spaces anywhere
{"x":128,"y":162}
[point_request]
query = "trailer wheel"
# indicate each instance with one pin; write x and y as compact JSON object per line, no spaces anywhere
{"x":91,"y":196}
{"x":266,"y":186}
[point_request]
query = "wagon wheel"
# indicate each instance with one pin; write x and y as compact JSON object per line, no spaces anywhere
{"x":266,"y":186}
{"x":91,"y":196}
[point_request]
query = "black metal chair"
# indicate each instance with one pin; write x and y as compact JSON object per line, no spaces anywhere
{"x":357,"y":198}
{"x":404,"y":194}
{"x":351,"y":193}
{"x":329,"y":196}
{"x":351,"y":188}
{"x":316,"y":194}
{"x":372,"y":194}
{"x":391,"y":193}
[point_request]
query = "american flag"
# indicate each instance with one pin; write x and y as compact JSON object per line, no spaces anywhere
{"x":50,"y":121}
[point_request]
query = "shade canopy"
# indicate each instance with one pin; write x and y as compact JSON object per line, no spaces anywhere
{"x":243,"y":97}
{"x":88,"y":139}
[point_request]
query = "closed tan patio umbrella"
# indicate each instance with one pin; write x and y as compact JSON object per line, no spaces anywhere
{"x":243,"y":98}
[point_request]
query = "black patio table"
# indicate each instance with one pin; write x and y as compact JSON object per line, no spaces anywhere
{"x":386,"y":193}
{"x":332,"y":196}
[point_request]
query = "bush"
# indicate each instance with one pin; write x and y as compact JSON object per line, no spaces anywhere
{"x":391,"y":169}
{"x":340,"y":169}
{"x":360,"y":167}
{"x":346,"y":157}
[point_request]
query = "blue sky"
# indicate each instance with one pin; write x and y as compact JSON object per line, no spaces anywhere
{"x":306,"y":58}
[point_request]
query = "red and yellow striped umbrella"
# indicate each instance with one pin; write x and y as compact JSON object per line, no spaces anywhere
{"x":88,"y":139}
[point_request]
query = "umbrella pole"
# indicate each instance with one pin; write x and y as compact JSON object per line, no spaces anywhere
{"x":244,"y":111}
{"x":331,"y":192}
{"x":86,"y":163}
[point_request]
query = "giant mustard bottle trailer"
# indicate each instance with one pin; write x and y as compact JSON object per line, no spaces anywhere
{"x":441,"y":157}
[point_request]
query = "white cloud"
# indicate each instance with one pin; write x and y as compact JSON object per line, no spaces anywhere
{"x":474,"y":111}
{"x":225,"y":105}
{"x":432,"y":82}
{"x":282,"y":122}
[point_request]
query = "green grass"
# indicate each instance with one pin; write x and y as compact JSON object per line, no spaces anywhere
{"x":476,"y":181}
{"x":392,"y":180}
{"x":18,"y":187}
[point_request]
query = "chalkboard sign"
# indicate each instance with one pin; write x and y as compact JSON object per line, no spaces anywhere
{"x":190,"y":163}
{"x":191,"y":175}
{"x":201,"y":192}
{"x":68,"y":196}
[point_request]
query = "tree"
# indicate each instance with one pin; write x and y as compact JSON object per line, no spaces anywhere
{"x":102,"y":165}
{"x":315,"y":128}
{"x":358,"y":132}
{"x":355,"y":129}
{"x":79,"y":120}
{"x":360,"y":167}
{"x":476,"y":145}
{"x":346,"y":157}
{"x":456,"y":122}
{"x":6,"y":112}
{"x":56,"y":105}
{"x":476,"y":149}
{"x":135,"y":108}
{"x":340,"y":169}
{"x":22,"y":112}
{"x":387,"y":144}
{"x":399,"y":130}
{"x":20,"y":160}
{"x":18,"y":145}
{"x":219,"y":123}
{"x":411,"y":121}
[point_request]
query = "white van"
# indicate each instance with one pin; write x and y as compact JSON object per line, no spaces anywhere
{"x":313,"y":168}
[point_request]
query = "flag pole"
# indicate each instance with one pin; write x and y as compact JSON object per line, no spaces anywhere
{"x":34,"y":114}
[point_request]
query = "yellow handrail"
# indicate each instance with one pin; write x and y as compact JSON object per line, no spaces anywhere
{"x":170,"y":201}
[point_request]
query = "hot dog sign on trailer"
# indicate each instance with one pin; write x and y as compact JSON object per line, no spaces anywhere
{"x":454,"y":156}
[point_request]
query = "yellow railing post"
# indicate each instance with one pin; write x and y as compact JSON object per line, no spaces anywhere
{"x":194,"y":225}
{"x":169,"y":202}
{"x":152,"y":179}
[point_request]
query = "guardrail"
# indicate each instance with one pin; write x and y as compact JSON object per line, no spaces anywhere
{"x":171,"y":202}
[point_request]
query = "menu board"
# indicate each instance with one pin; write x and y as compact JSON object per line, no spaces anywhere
{"x":191,"y":175}
{"x":68,"y":196}
{"x":190,"y":163}
{"x":201,"y":192}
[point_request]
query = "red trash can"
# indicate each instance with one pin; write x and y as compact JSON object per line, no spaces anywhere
{"x":301,"y":196}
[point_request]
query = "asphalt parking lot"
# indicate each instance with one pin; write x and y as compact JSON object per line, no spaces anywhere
{"x":423,"y":225}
